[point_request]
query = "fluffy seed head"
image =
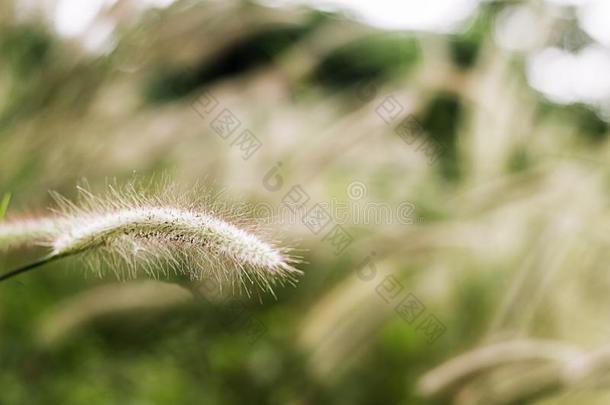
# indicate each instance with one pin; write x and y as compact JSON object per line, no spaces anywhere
{"x":26,"y":231}
{"x":132,"y":228}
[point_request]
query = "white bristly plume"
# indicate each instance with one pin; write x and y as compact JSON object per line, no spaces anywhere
{"x":129,"y":231}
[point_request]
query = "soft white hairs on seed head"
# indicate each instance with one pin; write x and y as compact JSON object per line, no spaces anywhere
{"x":25,"y":231}
{"x":132,"y":228}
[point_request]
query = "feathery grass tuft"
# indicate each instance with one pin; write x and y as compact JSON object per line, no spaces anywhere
{"x":130,"y":229}
{"x":29,"y":231}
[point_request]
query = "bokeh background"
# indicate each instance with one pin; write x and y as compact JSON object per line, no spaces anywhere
{"x":480,"y":126}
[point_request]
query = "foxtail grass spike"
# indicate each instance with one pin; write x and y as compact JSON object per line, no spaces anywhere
{"x":128,"y":230}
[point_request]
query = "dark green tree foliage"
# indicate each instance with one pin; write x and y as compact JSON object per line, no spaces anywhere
{"x":441,"y":120}
{"x":371,"y":59}
{"x":24,"y":49}
{"x":465,"y":46}
{"x":256,"y":50}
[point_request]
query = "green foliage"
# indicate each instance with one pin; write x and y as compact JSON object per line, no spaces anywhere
{"x":256,"y":50}
{"x":496,"y":209}
{"x":441,"y":121}
{"x":374,"y":58}
{"x":25,"y":49}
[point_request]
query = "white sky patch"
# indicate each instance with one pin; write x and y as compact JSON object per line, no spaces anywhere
{"x":80,"y":19}
{"x":517,"y":29}
{"x":568,"y":2}
{"x":428,"y":15}
{"x":594,"y":18}
{"x":155,"y":3}
{"x":564,"y":77}
{"x":74,"y":17}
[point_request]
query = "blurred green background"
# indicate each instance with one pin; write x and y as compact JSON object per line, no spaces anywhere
{"x":490,"y":157}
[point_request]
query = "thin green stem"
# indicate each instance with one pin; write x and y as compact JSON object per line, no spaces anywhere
{"x":28,"y":267}
{"x":6,"y":199}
